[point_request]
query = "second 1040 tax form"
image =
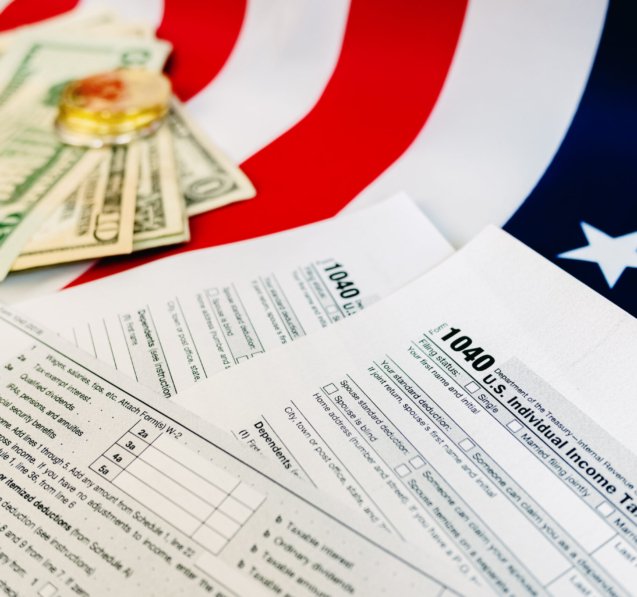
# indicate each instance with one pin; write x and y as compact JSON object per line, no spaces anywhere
{"x":177,"y":321}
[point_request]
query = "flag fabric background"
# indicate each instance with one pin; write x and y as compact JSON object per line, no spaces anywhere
{"x":516,"y":113}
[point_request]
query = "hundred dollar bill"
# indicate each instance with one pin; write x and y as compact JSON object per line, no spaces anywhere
{"x":37,"y":172}
{"x":160,"y":215}
{"x":96,"y":220}
{"x":208,"y":179}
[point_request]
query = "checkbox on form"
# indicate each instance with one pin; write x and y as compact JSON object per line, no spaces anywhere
{"x":514,"y":425}
{"x":402,"y":470}
{"x":48,"y":590}
{"x":330,"y":388}
{"x":466,"y":444}
{"x":417,"y":462}
{"x":605,"y":509}
{"x":472,"y":387}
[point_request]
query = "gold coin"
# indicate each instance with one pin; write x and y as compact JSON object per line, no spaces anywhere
{"x":114,"y":107}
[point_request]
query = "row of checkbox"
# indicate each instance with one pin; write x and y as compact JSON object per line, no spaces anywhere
{"x":402,"y":470}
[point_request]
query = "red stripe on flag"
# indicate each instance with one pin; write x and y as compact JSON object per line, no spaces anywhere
{"x":24,"y":12}
{"x":392,"y":66}
{"x":203,"y":35}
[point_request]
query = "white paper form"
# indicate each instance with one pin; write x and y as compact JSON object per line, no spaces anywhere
{"x":174,"y":322}
{"x":105,"y":488}
{"x":443,"y":413}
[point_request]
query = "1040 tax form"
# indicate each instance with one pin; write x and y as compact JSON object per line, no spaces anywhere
{"x":484,"y":411}
{"x":105,"y":488}
{"x":179,"y":320}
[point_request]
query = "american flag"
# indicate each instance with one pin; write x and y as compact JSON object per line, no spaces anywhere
{"x":516,"y":113}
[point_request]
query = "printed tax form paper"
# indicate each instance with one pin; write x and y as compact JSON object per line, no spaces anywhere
{"x":479,"y":410}
{"x":106,"y":488}
{"x":177,"y":321}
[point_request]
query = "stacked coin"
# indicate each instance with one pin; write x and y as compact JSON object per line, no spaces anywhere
{"x":113,"y":108}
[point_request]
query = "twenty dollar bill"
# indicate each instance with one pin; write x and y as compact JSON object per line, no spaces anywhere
{"x":160,"y":216}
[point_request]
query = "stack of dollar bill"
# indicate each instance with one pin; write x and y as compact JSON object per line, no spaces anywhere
{"x":60,"y":203}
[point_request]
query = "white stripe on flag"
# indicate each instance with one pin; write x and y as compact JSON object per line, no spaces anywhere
{"x":513,"y":88}
{"x":283,"y":59}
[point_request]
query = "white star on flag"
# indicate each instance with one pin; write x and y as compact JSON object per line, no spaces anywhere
{"x":612,"y":254}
